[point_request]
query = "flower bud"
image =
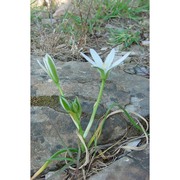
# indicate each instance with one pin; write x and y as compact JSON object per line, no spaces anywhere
{"x":65,"y":104}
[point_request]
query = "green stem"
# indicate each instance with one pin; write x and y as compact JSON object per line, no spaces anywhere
{"x":95,"y":108}
{"x":76,"y":121}
{"x":60,"y":90}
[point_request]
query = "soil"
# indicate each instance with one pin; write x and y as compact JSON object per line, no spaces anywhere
{"x":46,"y":37}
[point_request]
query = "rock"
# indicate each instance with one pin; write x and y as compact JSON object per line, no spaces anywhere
{"x":136,"y":104}
{"x":139,"y":51}
{"x":110,"y":26}
{"x":48,"y":127}
{"x":146,"y":35}
{"x":41,"y":2}
{"x":48,"y":21}
{"x":145,"y":43}
{"x":134,"y":166}
{"x":104,"y":48}
{"x":114,"y":128}
{"x":142,"y":157}
{"x":141,"y":70}
{"x":55,"y":175}
{"x":50,"y":2}
{"x":79,"y":79}
{"x":132,"y":53}
{"x":145,"y":22}
{"x":64,"y":5}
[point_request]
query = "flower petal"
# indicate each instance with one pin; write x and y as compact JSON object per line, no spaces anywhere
{"x":46,"y":66}
{"x":42,"y":66}
{"x":109,"y":58}
{"x":96,"y":58}
{"x":88,"y":59}
{"x":120,"y":60}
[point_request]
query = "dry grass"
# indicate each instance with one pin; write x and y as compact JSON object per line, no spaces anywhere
{"x":83,"y":27}
{"x":102,"y":156}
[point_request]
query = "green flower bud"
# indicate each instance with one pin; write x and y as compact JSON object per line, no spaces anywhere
{"x":79,"y":106}
{"x":75,"y":107}
{"x":50,"y":68}
{"x":65,"y":104}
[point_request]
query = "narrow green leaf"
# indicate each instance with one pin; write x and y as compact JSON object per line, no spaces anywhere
{"x":61,"y":159}
{"x":62,"y":151}
{"x":133,"y":122}
{"x":45,"y":165}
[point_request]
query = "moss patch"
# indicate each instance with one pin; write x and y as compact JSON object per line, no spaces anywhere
{"x":50,"y":101}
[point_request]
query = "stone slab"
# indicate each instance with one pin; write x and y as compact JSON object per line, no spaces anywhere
{"x":79,"y":79}
{"x":134,"y":166}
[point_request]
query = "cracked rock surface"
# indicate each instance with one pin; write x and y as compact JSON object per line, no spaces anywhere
{"x":79,"y":79}
{"x":134,"y":166}
{"x":49,"y":124}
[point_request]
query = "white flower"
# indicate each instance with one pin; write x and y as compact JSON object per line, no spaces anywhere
{"x":108,"y":64}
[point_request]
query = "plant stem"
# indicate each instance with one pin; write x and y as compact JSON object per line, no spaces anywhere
{"x":77,"y":123}
{"x":60,"y":90}
{"x":95,"y":108}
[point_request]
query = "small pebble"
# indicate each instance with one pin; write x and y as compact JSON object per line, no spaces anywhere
{"x":145,"y":43}
{"x":141,"y":70}
{"x":48,"y":21}
{"x":104,"y":48}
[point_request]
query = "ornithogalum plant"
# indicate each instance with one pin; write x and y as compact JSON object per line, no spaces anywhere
{"x":74,"y":109}
{"x":104,"y":69}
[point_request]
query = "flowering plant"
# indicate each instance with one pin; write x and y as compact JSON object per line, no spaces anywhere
{"x":74,"y":108}
{"x":104,"y":69}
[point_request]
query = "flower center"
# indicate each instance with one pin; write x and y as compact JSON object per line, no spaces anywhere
{"x":104,"y":66}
